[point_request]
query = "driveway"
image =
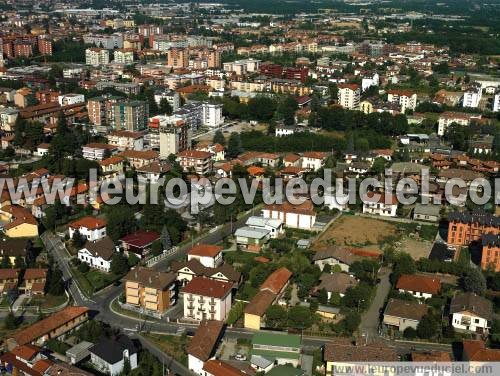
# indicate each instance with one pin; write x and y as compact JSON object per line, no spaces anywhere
{"x":370,"y":319}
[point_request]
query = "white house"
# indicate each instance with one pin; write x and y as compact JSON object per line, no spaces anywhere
{"x":496,"y":102}
{"x":42,"y":149}
{"x":207,"y":299}
{"x":420,"y":286}
{"x":300,"y":216}
{"x":407,"y":99}
{"x":91,"y":228}
{"x":109,"y":355}
{"x":471,"y":312}
{"x":380,"y":205}
{"x":284,"y":130}
{"x":275,"y":226}
{"x":98,"y":254}
{"x":369,"y":81}
{"x":472,"y":96}
{"x":209,"y":256}
{"x":336,"y":200}
{"x":313,"y":160}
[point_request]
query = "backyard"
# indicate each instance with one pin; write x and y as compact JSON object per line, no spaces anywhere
{"x":175,"y":346}
{"x":355,"y":231}
{"x":93,"y":280}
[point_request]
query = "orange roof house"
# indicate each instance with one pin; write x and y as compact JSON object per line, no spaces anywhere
{"x":418,"y":284}
{"x":277,"y":281}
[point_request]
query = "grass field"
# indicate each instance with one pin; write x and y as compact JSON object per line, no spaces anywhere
{"x":175,"y":346}
{"x":355,"y":231}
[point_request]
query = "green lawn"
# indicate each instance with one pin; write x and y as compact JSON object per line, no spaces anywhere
{"x":94,"y":280}
{"x":175,"y":346}
{"x":48,"y":301}
{"x":239,"y":257}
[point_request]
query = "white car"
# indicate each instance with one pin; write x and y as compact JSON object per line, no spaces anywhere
{"x":240,"y":357}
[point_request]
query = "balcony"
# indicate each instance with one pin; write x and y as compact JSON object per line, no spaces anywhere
{"x":212,"y":302}
{"x":190,"y":306}
{"x":213,"y":311}
{"x":201,"y":301}
{"x":190,"y":299}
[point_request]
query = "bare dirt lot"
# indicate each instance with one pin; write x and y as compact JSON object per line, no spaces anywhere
{"x":415,"y":247}
{"x":355,"y":231}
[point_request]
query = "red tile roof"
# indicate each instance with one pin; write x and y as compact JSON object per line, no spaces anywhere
{"x":476,"y":351}
{"x":90,"y":223}
{"x":220,"y":368}
{"x":277,"y":280}
{"x":198,"y":154}
{"x":35,"y":273}
{"x":48,"y":324}
{"x":205,"y":250}
{"x":432,"y":356}
{"x":203,"y":343}
{"x":208,"y":287}
{"x":26,"y":352}
{"x":140,"y":238}
{"x":420,"y":283}
{"x":9,"y":273}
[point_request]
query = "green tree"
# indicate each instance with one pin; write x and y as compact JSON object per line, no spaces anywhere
{"x":429,"y":326}
{"x":300,"y":317}
{"x":10,"y":322}
{"x":474,"y":281}
{"x":234,"y":146}
{"x":119,"y":264}
{"x":358,"y":297}
{"x":219,"y":138}
{"x":276,"y":316}
{"x":165,"y":107}
{"x":121,"y":221}
{"x":322,"y":296}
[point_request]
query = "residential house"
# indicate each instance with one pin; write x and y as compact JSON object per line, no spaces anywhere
{"x":91,"y":228}
{"x":187,"y":270}
{"x":18,"y":222}
{"x":126,"y":140}
{"x":203,"y":345}
{"x":271,"y":291}
{"x":220,"y":368}
{"x":139,"y":242}
{"x":300,"y":216}
{"x":467,"y":227}
{"x":313,"y":160}
{"x":111,"y":167}
{"x":274,"y":226}
{"x":98,"y":151}
{"x":206,"y":298}
{"x":471,"y":312}
{"x":209,"y":256}
{"x":402,"y":314}
{"x":53,"y":326}
{"x":251,"y":239}
{"x":26,"y":360}
{"x":382,"y":204}
{"x":109,"y":355}
{"x":447,"y":118}
{"x":34,"y":281}
{"x":98,"y":253}
{"x":149,"y":290}
{"x":336,"y":283}
{"x":153,"y":172}
{"x":420,"y":286}
{"x":342,"y":353}
{"x":490,"y":252}
{"x":476,"y":351}
{"x":9,"y":279}
{"x":335,"y":256}
{"x":13,"y":248}
{"x":406,"y":98}
{"x":428,"y":213}
{"x":139,"y":158}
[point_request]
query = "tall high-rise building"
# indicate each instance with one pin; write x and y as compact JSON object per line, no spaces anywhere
{"x":131,"y":115}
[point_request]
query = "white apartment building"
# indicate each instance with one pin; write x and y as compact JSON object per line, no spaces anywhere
{"x":300,"y":216}
{"x":448,"y":117}
{"x":126,"y":140}
{"x":369,"y":81}
{"x":96,"y":56}
{"x":496,"y":102}
{"x":241,"y":67}
{"x":96,"y":151}
{"x":313,"y":160}
{"x":69,"y":99}
{"x":108,"y":42}
{"x":212,"y":115}
{"x":207,"y":299}
{"x":124,"y":56}
{"x":172,"y":97}
{"x":349,"y":96}
{"x":405,"y":98}
{"x":174,"y":135}
{"x":472,"y":96}
{"x":8,"y":118}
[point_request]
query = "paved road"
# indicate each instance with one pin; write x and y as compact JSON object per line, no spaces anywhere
{"x":57,"y":249}
{"x":370,"y":318}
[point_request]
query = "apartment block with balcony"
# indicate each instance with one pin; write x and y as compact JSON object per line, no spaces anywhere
{"x":467,"y":227}
{"x":349,"y":96}
{"x":207,"y":299}
{"x":197,"y":161}
{"x":149,"y":290}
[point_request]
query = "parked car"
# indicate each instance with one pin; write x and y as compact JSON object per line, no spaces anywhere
{"x":240,"y":357}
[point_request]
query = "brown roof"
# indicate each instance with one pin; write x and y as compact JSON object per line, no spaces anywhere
{"x":305,"y":208}
{"x":63,"y":369}
{"x":205,"y":339}
{"x":140,"y":154}
{"x":111,"y":160}
{"x":35,"y":273}
{"x":8,"y":274}
{"x":337,"y":282}
{"x":315,"y":154}
{"x":348,"y":86}
{"x":341,"y":254}
{"x":150,"y":278}
{"x":342,"y":351}
{"x":103,"y":248}
{"x":277,"y":280}
{"x":98,"y":145}
{"x":48,"y":324}
{"x":420,"y":283}
{"x":405,"y":309}
{"x":198,"y":154}
{"x":220,"y":368}
{"x":205,"y":250}
{"x":466,"y":175}
{"x":260,"y":303}
{"x":208,"y":287}
{"x":382,"y":198}
{"x":201,"y":270}
{"x":476,"y":351}
{"x":291,"y":158}
{"x":91,"y":223}
{"x":26,"y":352}
{"x":473,"y":304}
{"x":431,"y":356}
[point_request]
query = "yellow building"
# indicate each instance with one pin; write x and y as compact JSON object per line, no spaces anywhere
{"x":366,"y":107}
{"x":20,"y":222}
{"x":153,"y":291}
